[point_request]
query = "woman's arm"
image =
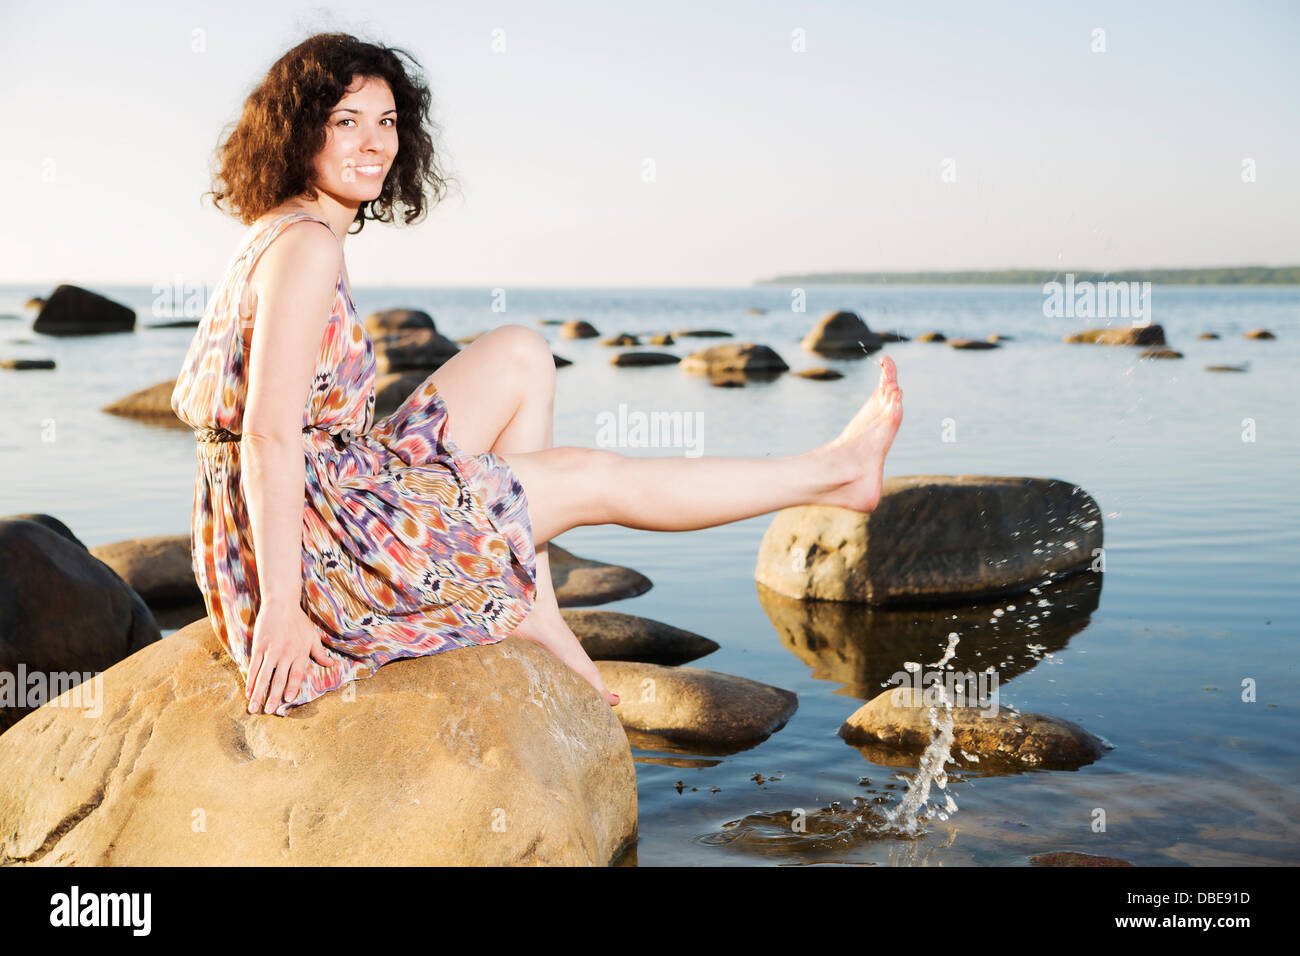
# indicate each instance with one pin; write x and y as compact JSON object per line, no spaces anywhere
{"x":295,"y":282}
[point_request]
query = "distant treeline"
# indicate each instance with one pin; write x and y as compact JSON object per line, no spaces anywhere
{"x":1236,"y":275}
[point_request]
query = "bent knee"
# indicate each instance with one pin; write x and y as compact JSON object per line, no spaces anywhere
{"x":529,"y":349}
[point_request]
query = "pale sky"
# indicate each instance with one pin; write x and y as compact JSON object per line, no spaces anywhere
{"x":766,"y":160}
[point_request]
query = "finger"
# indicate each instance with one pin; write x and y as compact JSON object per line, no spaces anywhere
{"x":296,"y":673}
{"x":321,"y":655}
{"x":276,"y":697}
{"x":258,"y":696}
{"x":254,"y":663}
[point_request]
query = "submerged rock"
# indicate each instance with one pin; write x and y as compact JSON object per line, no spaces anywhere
{"x":480,"y":756}
{"x":972,"y":344}
{"x":898,"y":720}
{"x":1071,"y":858}
{"x":628,"y":359}
{"x":1258,"y":334}
{"x":693,"y":705}
{"x":1120,"y":335}
{"x":933,"y":538}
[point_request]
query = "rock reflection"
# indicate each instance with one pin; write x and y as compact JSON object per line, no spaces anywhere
{"x":862,"y":647}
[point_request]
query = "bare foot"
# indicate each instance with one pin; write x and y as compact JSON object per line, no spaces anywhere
{"x":557,"y":638}
{"x":859,"y":451}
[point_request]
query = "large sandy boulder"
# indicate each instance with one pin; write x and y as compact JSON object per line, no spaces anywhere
{"x":488,"y":755}
{"x":842,"y":334}
{"x":933,"y":538}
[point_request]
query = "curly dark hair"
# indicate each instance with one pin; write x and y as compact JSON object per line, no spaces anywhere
{"x":268,"y":157}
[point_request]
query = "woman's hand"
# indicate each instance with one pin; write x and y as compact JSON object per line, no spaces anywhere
{"x":284,"y":640}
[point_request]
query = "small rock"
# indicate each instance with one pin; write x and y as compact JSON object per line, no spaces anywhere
{"x":612,"y":636}
{"x":412,"y":350}
{"x":159,"y":568}
{"x":932,"y":337}
{"x":1258,"y":334}
{"x":1122,"y":335}
{"x":622,"y":339}
{"x":1161,"y":353}
{"x":398,"y":320}
{"x":972,"y":344}
{"x":1225,"y":368}
{"x":735,"y":359}
{"x":898,"y":719}
{"x":643,"y":358}
{"x":660,"y":338}
{"x":580,"y":581}
{"x":578,"y":329}
{"x":23,"y":365}
{"x":692,"y":705}
{"x":703,"y":333}
{"x":1208,"y":335}
{"x":152,"y":405}
{"x":561,"y":362}
{"x":819,"y":374}
{"x":842,"y":334}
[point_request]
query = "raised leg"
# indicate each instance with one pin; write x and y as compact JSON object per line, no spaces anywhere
{"x":571,"y":486}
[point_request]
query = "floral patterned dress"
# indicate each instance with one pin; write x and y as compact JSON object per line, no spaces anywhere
{"x":410,"y":546}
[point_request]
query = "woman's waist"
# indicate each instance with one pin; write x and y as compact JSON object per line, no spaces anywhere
{"x":221,"y":439}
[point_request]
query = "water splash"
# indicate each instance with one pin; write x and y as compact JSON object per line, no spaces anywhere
{"x":915,"y":809}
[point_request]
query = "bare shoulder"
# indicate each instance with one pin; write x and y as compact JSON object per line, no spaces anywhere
{"x":303,"y":261}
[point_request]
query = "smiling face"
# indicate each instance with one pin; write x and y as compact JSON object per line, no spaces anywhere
{"x":360,"y":143}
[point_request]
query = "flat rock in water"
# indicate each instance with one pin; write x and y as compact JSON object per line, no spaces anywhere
{"x":735,"y":359}
{"x":1258,"y":334}
{"x":159,"y":568}
{"x":1160,"y":353}
{"x":933,"y":538}
{"x":612,"y":636}
{"x":66,"y":616}
{"x":819,"y":374}
{"x":643,"y":358}
{"x":1120,"y":335}
{"x":972,"y":344}
{"x":71,"y":310}
{"x":898,"y":720}
{"x":479,"y":756}
{"x":703,"y":333}
{"x":26,"y":364}
{"x":579,"y":581}
{"x":692,"y":705}
{"x":152,"y":405}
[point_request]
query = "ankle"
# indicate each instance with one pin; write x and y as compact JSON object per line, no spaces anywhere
{"x":831,"y":467}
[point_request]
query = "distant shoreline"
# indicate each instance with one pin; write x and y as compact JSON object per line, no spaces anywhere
{"x":1228,"y":275}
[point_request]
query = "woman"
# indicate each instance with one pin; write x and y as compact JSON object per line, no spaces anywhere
{"x":327,"y":543}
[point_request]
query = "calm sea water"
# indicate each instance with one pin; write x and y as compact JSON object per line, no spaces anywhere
{"x":1201,"y":534}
